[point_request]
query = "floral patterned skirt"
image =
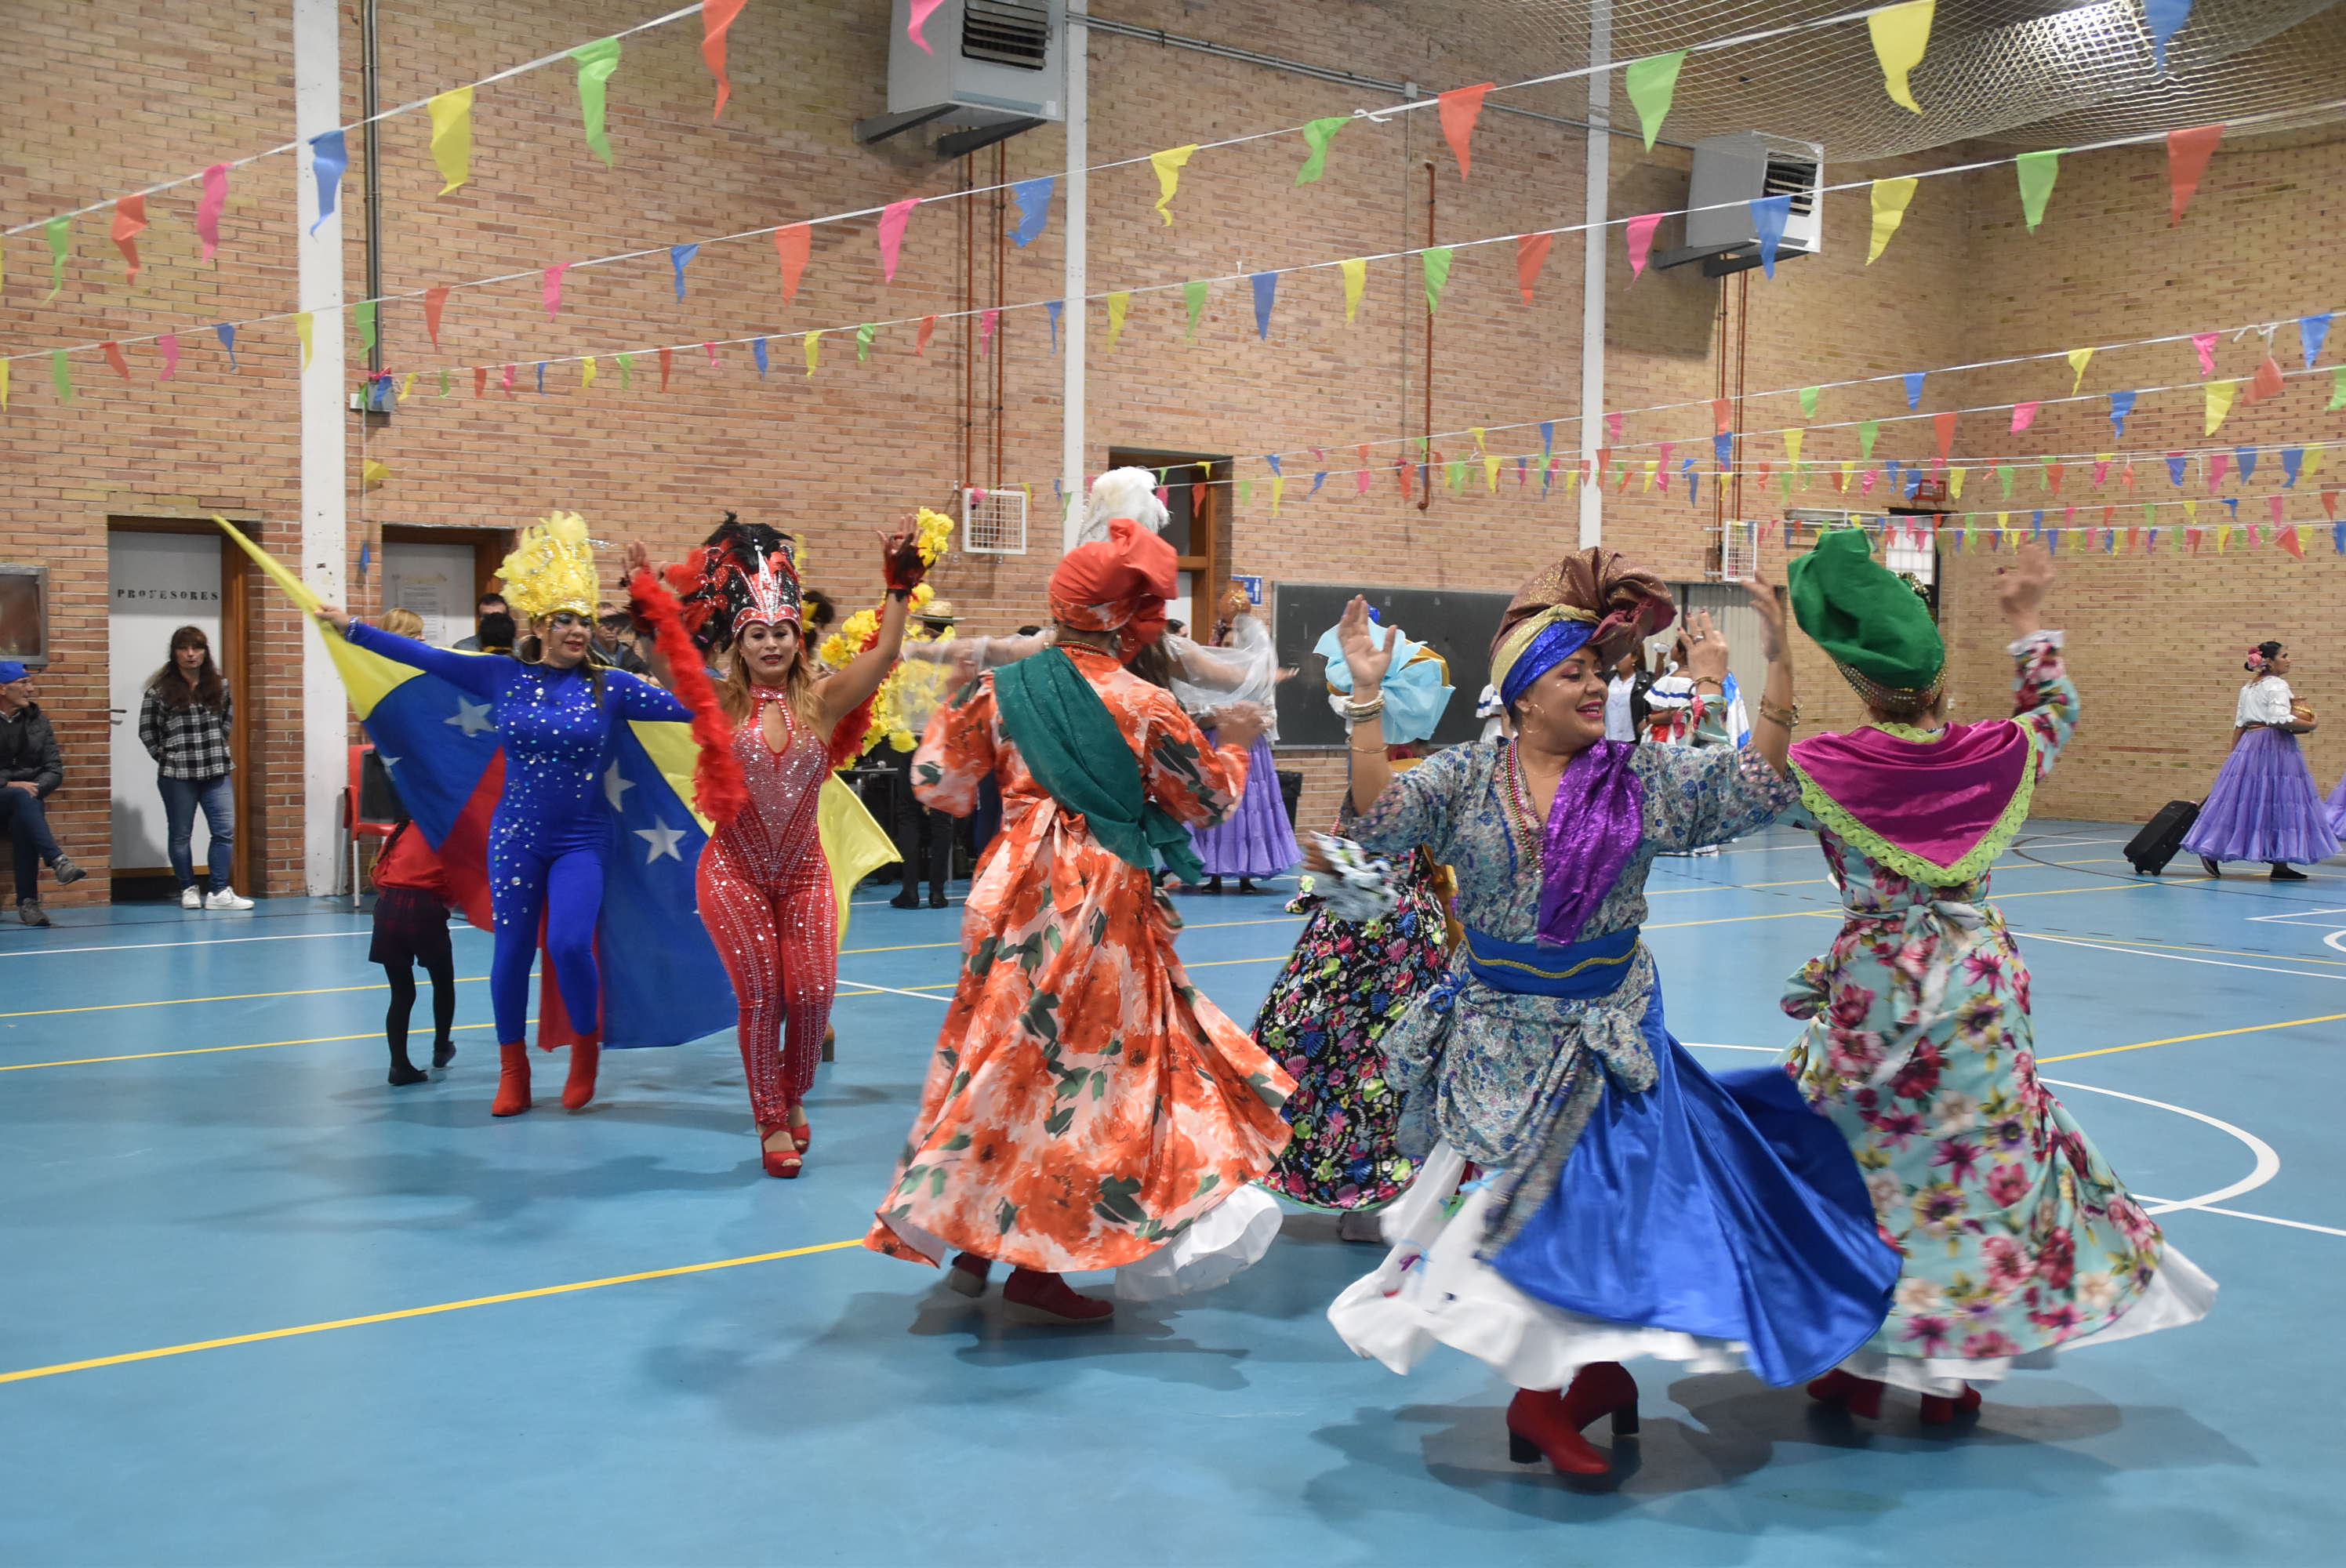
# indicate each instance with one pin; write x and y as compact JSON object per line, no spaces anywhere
{"x":1344,"y":985}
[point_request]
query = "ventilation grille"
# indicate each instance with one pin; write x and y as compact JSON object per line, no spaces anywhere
{"x":1007,"y":32}
{"x":994,"y":521}
{"x":1795,"y":179}
{"x":1738,"y":551}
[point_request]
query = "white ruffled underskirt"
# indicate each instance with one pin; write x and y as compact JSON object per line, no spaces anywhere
{"x":2179,"y":1293}
{"x":1433,"y":1290}
{"x":1218,"y":1245}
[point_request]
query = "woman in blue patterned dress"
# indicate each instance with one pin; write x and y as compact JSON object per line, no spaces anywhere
{"x":1631,"y":1204}
{"x":2016,"y":1235}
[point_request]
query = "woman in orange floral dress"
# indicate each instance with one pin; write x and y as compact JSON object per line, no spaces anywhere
{"x":1088,"y":1108}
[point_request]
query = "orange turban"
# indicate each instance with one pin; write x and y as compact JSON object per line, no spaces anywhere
{"x":1118,"y":584}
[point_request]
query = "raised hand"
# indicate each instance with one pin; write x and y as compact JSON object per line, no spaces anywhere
{"x":1364,"y":654}
{"x":335,"y":617}
{"x":1705,"y":647}
{"x":633,"y":559}
{"x":2020,"y":587}
{"x":1771,"y":611}
{"x":900,"y":556}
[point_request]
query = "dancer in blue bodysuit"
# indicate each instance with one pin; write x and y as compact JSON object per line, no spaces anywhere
{"x":557,"y":717}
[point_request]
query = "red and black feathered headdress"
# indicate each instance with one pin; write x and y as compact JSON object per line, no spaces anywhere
{"x":744,"y":573}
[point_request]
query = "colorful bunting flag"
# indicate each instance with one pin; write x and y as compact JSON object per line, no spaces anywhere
{"x":1891,"y":198}
{"x":1052,"y":309}
{"x":1459,"y":107}
{"x":1355,"y":271}
{"x":679,"y":257}
{"x":129,"y":219}
{"x":987,"y":322}
{"x":667,"y":363}
{"x":1868,"y":432}
{"x":715,"y":18}
{"x":2205,"y":343}
{"x":2121,"y":405}
{"x":1034,"y":199}
{"x":363,"y":313}
{"x":2024,"y":414}
{"x":57,"y":231}
{"x":225,"y":333}
{"x":2078,"y":360}
{"x":169,"y":343}
{"x":1640,"y":233}
{"x":1194,"y":294}
{"x":865,"y":337}
{"x":61,"y":375}
{"x":597,"y":62}
{"x":586,"y":368}
{"x":1770,"y":213}
{"x":1120,"y":303}
{"x":303,"y":324}
{"x":1913,"y":380}
{"x":1435,"y":261}
{"x":792,"y":244}
{"x":892,"y":219}
{"x":1652,"y":82}
{"x":209,"y":206}
{"x":920,"y":12}
{"x":550,"y":291}
{"x":1317,"y":135}
{"x":1792,"y":445}
{"x":1169,"y":165}
{"x":1266,"y":291}
{"x":1901,"y":34}
{"x":2219,"y":402}
{"x":1809,"y":396}
{"x":328,"y":158}
{"x":1531,"y":255}
{"x":2246,"y":456}
{"x":2165,"y":18}
{"x":2292,"y":465}
{"x":627,"y":374}
{"x":2313,"y":331}
{"x":2187,"y":152}
{"x":114,"y":360}
{"x":452,"y":136}
{"x":814,"y":346}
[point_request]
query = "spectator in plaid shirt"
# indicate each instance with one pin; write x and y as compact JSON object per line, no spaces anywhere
{"x":184,"y":725}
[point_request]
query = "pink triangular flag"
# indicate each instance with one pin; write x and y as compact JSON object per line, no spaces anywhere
{"x":987,"y":323}
{"x":892,"y":218}
{"x":552,"y":289}
{"x":710,"y":350}
{"x":2206,"y":343}
{"x":2220,"y":463}
{"x":922,"y":10}
{"x":1641,"y":235}
{"x":1360,"y":479}
{"x":2275,"y":503}
{"x":1613,"y":428}
{"x":1459,"y":107}
{"x":209,"y":208}
{"x":169,"y":343}
{"x":2024,"y":414}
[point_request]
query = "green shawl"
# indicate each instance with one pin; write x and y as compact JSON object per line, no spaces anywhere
{"x":1070,"y":742}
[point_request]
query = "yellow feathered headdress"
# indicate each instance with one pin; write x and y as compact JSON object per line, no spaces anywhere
{"x":552,"y":568}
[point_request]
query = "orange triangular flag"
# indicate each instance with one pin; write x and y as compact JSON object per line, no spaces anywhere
{"x":2267,"y":383}
{"x":792,"y":245}
{"x":1460,"y":108}
{"x":1531,"y":255}
{"x":2187,"y":152}
{"x":2287,"y":539}
{"x":129,"y":217}
{"x":1722,"y":411}
{"x":716,"y":17}
{"x":433,"y":301}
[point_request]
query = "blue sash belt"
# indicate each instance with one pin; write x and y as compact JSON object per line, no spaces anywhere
{"x":1578,"y":972}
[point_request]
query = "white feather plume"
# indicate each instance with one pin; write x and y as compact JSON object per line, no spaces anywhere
{"x":1122,"y":492}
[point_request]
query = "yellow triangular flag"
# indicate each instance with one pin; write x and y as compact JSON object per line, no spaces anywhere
{"x":2220,"y":401}
{"x":1901,"y":33}
{"x":1792,"y":445}
{"x":1278,"y":492}
{"x":1571,"y":482}
{"x":305,"y":323}
{"x":1119,"y":302}
{"x":2313,"y":460}
{"x":1955,"y":483}
{"x":2078,"y":360}
{"x":452,"y":136}
{"x":1890,"y":199}
{"x":2223,"y":537}
{"x":1479,"y":432}
{"x":813,"y":351}
{"x":1356,"y":278}
{"x":1650,"y":466}
{"x":2190,"y":510}
{"x":1490,"y":472}
{"x":4,"y":386}
{"x":373,"y":473}
{"x":587,"y":373}
{"x":1169,"y":165}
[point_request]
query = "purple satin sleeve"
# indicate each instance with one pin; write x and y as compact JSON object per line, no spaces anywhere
{"x":1593,"y":830}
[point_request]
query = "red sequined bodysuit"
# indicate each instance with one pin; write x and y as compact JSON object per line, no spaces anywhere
{"x":766,"y":896}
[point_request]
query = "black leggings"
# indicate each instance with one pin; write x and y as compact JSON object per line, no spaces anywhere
{"x":402,"y":1001}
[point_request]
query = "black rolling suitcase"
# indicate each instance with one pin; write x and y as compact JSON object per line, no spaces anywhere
{"x":2161,"y":837}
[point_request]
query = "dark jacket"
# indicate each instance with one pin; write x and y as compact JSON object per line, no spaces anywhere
{"x":29,"y":751}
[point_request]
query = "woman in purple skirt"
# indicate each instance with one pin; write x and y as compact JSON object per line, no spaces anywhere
{"x":1255,"y":840}
{"x":2265,"y":805}
{"x":2337,"y":808}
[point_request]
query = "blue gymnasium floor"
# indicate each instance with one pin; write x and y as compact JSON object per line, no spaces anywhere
{"x":260,"y":1308}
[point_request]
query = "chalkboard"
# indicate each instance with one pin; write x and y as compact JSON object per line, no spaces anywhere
{"x":1454,"y":623}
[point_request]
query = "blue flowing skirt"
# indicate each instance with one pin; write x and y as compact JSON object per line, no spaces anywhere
{"x":1718,"y":1207}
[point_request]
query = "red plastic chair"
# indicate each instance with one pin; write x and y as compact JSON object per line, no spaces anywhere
{"x":357,"y":826}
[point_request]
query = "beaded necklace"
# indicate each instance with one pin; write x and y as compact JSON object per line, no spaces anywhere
{"x":1525,"y":816}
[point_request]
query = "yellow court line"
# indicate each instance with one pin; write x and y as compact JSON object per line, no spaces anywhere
{"x":207,"y":1050}
{"x":247,"y":997}
{"x":30,"y":1372}
{"x":2183,"y":1039}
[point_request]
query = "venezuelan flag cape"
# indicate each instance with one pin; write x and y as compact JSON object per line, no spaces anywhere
{"x":662,"y":982}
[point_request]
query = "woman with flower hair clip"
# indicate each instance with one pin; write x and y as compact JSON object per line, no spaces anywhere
{"x":2265,"y":805}
{"x":2016,"y":1238}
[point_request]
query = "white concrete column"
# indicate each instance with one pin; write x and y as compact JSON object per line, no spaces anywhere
{"x":325,"y":530}
{"x":1592,"y":275}
{"x":1074,"y":284}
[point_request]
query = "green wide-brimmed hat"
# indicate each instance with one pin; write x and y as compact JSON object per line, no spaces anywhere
{"x":1861,"y":614}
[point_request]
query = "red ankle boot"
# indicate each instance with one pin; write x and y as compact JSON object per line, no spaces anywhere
{"x":513,"y":1079}
{"x":1542,"y":1423}
{"x":968,"y":1273}
{"x":579,"y":1087}
{"x":1860,"y":1396}
{"x":1938,"y":1412}
{"x":1050,"y":1295}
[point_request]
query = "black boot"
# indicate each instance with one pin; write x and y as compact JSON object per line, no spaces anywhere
{"x":2282,"y":872}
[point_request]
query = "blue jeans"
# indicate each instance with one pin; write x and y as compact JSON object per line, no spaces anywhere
{"x":25,"y":818}
{"x":181,"y":798}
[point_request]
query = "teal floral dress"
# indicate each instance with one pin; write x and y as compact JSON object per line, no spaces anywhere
{"x":2017,"y":1237}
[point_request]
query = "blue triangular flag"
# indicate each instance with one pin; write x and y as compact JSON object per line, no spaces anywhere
{"x":2121,"y":405}
{"x":1723,"y":447}
{"x":2166,"y":18}
{"x":2338,"y":538}
{"x":541,"y":375}
{"x":2234,"y":503}
{"x":2109,"y":540}
{"x":1769,"y":216}
{"x":2311,"y":333}
{"x":1271,"y":458}
{"x":2246,"y":456}
{"x":758,"y":353}
{"x":1692,"y":479}
{"x":1034,"y":199}
{"x":329,"y":158}
{"x":679,"y":257}
{"x":1265,"y":290}
{"x":366,"y":558}
{"x":1547,"y":436}
{"x":2036,"y":524}
{"x":2292,"y":460}
{"x":2174,"y":462}
{"x":226,"y":333}
{"x":1318,"y":480}
{"x":1914,"y":388}
{"x":1053,"y":308}
{"x":1913,"y":483}
{"x":1896,"y":469}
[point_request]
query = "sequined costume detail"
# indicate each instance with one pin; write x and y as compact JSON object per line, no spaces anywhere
{"x":767,"y":897}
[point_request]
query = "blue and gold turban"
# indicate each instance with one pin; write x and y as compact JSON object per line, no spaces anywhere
{"x":1591,"y":598}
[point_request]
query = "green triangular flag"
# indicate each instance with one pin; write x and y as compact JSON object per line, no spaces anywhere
{"x":1456,"y":468}
{"x":1785,"y":479}
{"x":61,"y":375}
{"x":2004,"y":478}
{"x":443,"y":383}
{"x":1867,"y":430}
{"x":1196,"y":293}
{"x":596,"y":61}
{"x":56,"y":229}
{"x":2036,"y":171}
{"x":2338,"y":387}
{"x":1652,"y":82}
{"x":1317,"y":135}
{"x":1437,"y":274}
{"x":627,"y":373}
{"x":863,"y":336}
{"x":1808,"y":401}
{"x":363,"y":313}
{"x":1246,"y":492}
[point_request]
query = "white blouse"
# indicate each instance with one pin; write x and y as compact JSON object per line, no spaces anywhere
{"x":2262,"y":701}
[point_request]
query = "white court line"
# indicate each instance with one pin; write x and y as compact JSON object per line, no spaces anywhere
{"x":2298,"y":917}
{"x":865,"y":985}
{"x":2332,"y":940}
{"x":2180,"y":958}
{"x":201,"y":941}
{"x":2265,"y":1218}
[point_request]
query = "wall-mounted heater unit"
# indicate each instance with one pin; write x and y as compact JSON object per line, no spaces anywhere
{"x":992,"y":68}
{"x":1729,"y":173}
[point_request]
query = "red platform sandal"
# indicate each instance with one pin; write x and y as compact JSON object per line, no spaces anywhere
{"x":785,"y":1162}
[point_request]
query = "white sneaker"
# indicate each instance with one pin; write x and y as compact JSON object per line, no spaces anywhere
{"x":226,"y":899}
{"x":190,"y":899}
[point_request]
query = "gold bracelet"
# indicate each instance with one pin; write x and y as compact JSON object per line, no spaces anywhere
{"x":1788,"y":717}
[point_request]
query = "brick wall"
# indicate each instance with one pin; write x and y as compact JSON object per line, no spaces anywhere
{"x":855,"y":445}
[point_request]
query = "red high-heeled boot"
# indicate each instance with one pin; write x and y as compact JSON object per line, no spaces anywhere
{"x":1543,"y":1423}
{"x":1859,"y":1395}
{"x":1939,"y":1410}
{"x":579,"y":1087}
{"x":513,"y":1079}
{"x":1048,"y":1293}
